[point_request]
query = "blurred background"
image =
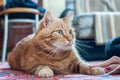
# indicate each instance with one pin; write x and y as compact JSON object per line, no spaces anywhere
{"x":95,"y":23}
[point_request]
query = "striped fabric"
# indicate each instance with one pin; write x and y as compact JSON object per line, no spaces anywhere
{"x":107,"y":26}
{"x":85,"y":6}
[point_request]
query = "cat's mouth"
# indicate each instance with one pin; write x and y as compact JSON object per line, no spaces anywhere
{"x":63,"y":46}
{"x":67,"y":45}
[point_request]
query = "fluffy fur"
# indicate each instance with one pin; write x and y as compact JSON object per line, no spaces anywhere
{"x":50,"y":50}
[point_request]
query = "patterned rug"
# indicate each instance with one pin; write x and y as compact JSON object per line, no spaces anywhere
{"x":8,"y":74}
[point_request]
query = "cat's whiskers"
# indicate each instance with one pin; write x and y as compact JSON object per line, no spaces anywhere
{"x":82,"y":50}
{"x":60,"y":49}
{"x":55,"y":52}
{"x":83,"y":45}
{"x":84,"y":41}
{"x":52,"y":52}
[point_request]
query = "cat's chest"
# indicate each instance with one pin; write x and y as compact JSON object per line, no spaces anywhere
{"x":62,"y":63}
{"x":61,"y":66}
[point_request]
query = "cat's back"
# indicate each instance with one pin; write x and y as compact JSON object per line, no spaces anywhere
{"x":25,"y":40}
{"x":19,"y":50}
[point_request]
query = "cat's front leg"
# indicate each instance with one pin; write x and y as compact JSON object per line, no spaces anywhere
{"x":86,"y":69}
{"x":96,"y":71}
{"x":43,"y":71}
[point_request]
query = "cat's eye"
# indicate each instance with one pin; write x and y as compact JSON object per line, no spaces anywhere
{"x":59,"y":32}
{"x":70,"y":32}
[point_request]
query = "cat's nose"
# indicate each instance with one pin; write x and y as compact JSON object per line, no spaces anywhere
{"x":70,"y":41}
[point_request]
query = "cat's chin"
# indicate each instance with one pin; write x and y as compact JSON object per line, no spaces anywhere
{"x":65,"y":47}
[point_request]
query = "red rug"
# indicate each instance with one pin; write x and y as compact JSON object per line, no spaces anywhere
{"x":8,"y":74}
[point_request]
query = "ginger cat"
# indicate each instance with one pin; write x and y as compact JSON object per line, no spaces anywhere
{"x":50,"y":50}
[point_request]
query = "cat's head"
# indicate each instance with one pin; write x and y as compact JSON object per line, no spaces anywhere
{"x":55,"y":32}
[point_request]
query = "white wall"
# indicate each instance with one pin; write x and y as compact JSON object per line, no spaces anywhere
{"x":54,"y":6}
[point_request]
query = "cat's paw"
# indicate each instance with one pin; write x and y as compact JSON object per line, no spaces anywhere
{"x":96,"y":71}
{"x":45,"y":72}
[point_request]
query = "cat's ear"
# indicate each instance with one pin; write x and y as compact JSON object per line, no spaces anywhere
{"x":68,"y":18}
{"x":47,"y":19}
